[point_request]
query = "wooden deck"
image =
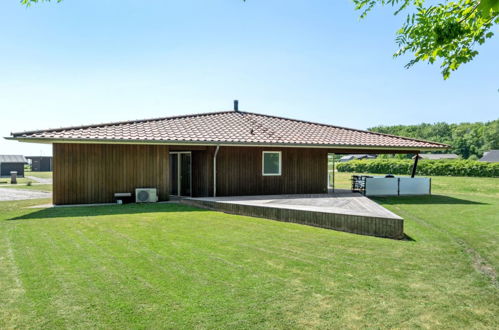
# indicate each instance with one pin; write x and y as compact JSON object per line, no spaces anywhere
{"x":344,"y":211}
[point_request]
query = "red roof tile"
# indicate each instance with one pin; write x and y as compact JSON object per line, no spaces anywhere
{"x":228,"y":127}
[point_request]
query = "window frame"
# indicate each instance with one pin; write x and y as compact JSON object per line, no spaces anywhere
{"x":263,"y":163}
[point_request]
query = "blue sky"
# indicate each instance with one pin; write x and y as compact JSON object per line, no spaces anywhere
{"x":93,"y":61}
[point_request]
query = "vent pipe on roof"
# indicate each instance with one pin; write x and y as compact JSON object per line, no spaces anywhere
{"x":236,"y":105}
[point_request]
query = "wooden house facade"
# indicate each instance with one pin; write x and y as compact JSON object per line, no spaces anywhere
{"x":230,"y":153}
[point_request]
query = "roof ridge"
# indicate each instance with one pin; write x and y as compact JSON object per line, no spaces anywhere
{"x":201,"y":114}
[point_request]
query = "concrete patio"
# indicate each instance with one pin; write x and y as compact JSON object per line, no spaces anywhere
{"x":341,"y":210}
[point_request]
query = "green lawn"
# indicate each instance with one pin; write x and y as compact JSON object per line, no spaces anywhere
{"x":172,"y":266}
{"x":6,"y":181}
{"x":25,"y":179}
{"x":43,"y":175}
{"x":22,"y":182}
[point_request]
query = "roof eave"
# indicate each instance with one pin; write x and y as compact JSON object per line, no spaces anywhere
{"x":225,"y":143}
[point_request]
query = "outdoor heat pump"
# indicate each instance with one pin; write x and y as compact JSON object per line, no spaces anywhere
{"x":146,"y":195}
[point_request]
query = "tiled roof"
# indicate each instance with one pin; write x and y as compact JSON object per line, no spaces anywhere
{"x":229,"y":127}
{"x":12,"y":159}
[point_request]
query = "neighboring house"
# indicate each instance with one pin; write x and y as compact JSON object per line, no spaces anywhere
{"x":10,"y":163}
{"x":438,"y":156}
{"x":40,"y":163}
{"x":226,"y":153}
{"x":348,"y":158}
{"x":491,"y":156}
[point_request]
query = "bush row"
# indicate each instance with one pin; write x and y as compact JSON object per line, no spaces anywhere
{"x":425,"y":167}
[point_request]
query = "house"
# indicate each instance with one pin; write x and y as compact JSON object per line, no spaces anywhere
{"x":348,"y":158}
{"x":438,"y":156}
{"x":10,"y":163}
{"x":226,"y":153}
{"x":491,"y":156}
{"x":40,"y":163}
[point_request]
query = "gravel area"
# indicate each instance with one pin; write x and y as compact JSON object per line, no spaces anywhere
{"x":9,"y":194}
{"x":39,"y":180}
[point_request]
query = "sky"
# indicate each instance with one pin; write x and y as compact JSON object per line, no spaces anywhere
{"x":94,"y":61}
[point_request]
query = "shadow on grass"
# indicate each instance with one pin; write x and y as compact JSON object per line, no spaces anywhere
{"x":91,"y":211}
{"x":408,"y":238}
{"x":431,"y":199}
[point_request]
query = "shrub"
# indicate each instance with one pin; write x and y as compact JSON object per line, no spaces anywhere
{"x":425,"y":167}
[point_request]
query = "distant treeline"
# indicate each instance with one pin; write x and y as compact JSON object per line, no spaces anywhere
{"x":469,"y":140}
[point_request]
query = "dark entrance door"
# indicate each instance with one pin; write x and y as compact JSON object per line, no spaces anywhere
{"x":180,"y":173}
{"x":185,"y":174}
{"x":174,"y":174}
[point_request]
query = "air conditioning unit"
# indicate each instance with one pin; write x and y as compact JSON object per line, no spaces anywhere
{"x":146,"y":195}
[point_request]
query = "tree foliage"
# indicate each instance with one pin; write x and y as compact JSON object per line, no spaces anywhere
{"x":29,"y":2}
{"x":469,"y":140}
{"x":447,"y":32}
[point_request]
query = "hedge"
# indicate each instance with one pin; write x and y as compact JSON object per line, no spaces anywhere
{"x":425,"y":167}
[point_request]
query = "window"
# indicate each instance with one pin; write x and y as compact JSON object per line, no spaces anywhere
{"x":271,"y":163}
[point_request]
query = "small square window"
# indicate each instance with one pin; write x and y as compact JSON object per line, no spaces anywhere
{"x":271,"y":163}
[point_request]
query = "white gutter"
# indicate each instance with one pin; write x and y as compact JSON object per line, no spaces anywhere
{"x":215,"y":171}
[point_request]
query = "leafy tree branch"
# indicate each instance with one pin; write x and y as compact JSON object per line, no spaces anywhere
{"x":448,"y":32}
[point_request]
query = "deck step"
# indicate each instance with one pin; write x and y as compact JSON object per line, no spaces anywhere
{"x":389,"y":227}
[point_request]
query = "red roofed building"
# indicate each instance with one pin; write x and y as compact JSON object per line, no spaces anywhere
{"x":226,"y":153}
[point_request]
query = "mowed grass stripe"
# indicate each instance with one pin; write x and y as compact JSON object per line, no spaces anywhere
{"x":476,"y":225}
{"x":124,"y":256}
{"x":57,"y":263}
{"x":141,"y":276}
{"x":11,"y":285}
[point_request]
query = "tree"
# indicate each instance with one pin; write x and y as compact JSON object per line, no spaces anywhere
{"x":29,"y":2}
{"x":447,"y":32}
{"x":466,"y":139}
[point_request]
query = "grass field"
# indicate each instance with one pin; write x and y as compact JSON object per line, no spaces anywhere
{"x":22,"y":183}
{"x":25,"y":179}
{"x":172,"y":266}
{"x":43,"y":175}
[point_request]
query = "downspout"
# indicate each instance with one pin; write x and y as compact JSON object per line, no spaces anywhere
{"x":334,"y":169}
{"x":215,"y":171}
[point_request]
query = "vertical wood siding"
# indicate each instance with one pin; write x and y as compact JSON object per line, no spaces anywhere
{"x":239,"y":172}
{"x":202,"y":172}
{"x":92,"y":173}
